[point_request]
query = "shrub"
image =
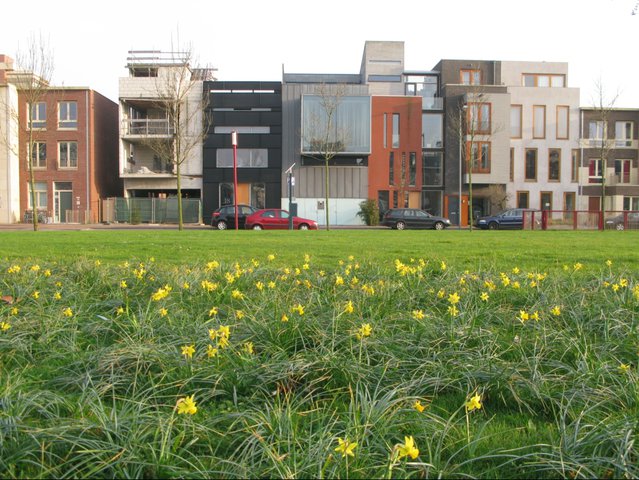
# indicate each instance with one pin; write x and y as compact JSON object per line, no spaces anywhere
{"x":369,"y":212}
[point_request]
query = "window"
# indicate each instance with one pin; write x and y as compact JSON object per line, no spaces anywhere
{"x":522,"y":199}
{"x":596,"y":130}
{"x":515,"y":121}
{"x":470,"y":76}
{"x":422,"y":85}
{"x":242,"y":130}
{"x":575,"y":161}
{"x":432,"y":130}
{"x":622,"y":171}
{"x":511,"y":172}
{"x":68,"y":154}
{"x":39,"y":155}
{"x":391,"y":168}
{"x":403,"y":172}
{"x":480,"y":156}
{"x":68,"y":115}
{"x":479,"y":117}
{"x":432,"y":168}
{"x":594,"y":170}
{"x":384,"y":78}
{"x":41,"y":198}
{"x":382,"y":201}
{"x":545,"y":200}
{"x":569,"y":201}
{"x":246,"y":158}
{"x":432,"y":202}
{"x":631,"y":203}
{"x":562,"y":122}
{"x":412,"y":169}
{"x":539,"y":121}
{"x":554,"y":165}
{"x":395,"y":141}
{"x":623,"y":134}
{"x":530,"y":168}
{"x":386,"y":130}
{"x":543,"y":80}
{"x":38,"y":117}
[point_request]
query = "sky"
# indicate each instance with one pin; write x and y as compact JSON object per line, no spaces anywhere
{"x":256,"y":40}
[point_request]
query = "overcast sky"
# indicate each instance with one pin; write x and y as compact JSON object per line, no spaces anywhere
{"x":253,"y":39}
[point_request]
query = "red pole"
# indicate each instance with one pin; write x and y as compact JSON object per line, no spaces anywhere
{"x":234,"y":142}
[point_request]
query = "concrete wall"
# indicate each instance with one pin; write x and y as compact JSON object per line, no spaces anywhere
{"x":9,"y":162}
{"x":386,"y":59}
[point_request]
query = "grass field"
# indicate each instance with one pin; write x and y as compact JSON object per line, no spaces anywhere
{"x":349,"y":354}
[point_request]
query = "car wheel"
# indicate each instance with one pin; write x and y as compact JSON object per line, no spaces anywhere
{"x":257,"y":227}
{"x":493,"y":226}
{"x":439,"y":226}
{"x":221,"y":225}
{"x":303,"y":226}
{"x":400,"y":225}
{"x":620,"y":226}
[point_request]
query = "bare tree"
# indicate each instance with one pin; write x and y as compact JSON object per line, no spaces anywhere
{"x":324,"y":138}
{"x":603,"y":106}
{"x":179,"y":95}
{"x":34,"y":72}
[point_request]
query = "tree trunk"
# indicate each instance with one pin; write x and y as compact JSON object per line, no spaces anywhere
{"x":327,"y":183}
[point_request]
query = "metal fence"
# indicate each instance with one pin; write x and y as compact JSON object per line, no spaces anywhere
{"x":150,"y":210}
{"x":581,"y":220}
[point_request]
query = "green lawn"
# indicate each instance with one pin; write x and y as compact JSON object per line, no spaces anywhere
{"x":342,"y":354}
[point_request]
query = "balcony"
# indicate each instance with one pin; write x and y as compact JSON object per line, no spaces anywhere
{"x":155,"y":168}
{"x":608,"y":144}
{"x":432,"y":103}
{"x":146,"y":128}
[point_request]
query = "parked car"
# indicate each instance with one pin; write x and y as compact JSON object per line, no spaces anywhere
{"x":224,"y":217}
{"x":508,"y":219}
{"x":402,"y":218}
{"x":631,"y":222}
{"x":277,"y":219}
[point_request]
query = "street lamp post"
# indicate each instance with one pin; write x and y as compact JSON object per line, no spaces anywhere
{"x":234,"y":142}
{"x":290,"y":180}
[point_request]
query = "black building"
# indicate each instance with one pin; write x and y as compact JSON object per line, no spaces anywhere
{"x":254,"y":111}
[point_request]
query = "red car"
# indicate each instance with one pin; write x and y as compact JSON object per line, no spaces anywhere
{"x":277,"y":219}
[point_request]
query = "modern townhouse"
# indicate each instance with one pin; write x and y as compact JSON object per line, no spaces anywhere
{"x":74,"y":151}
{"x":254,"y":111}
{"x":609,"y":154}
{"x":9,"y":141}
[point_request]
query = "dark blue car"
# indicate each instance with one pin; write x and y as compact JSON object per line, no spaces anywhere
{"x":509,"y":219}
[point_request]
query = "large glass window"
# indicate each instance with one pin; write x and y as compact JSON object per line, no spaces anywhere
{"x":631,"y":203}
{"x":522,"y":199}
{"x":596,"y":130}
{"x":246,"y":158}
{"x":349,"y":130}
{"x":383,"y":199}
{"x":530,"y":168}
{"x":515,"y":121}
{"x":543,"y":80}
{"x":480,"y":156}
{"x":395,"y":141}
{"x":594,"y":171}
{"x":68,"y":115}
{"x":38,"y":117}
{"x":623,"y":134}
{"x":432,"y":202}
{"x":562,"y":122}
{"x":432,"y":168}
{"x":412,"y":169}
{"x":68,"y":154}
{"x":41,"y":197}
{"x":554,"y":165}
{"x":38,"y":155}
{"x":470,"y":76}
{"x":622,"y":171}
{"x":391,"y":168}
{"x":432,"y":130}
{"x":575,"y":161}
{"x":479,"y":117}
{"x":539,"y":121}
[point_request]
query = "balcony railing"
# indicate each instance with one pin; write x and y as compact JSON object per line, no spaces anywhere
{"x":432,"y":103}
{"x":608,"y":143}
{"x":146,"y":127}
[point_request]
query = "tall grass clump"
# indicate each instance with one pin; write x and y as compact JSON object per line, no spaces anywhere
{"x":290,"y":369}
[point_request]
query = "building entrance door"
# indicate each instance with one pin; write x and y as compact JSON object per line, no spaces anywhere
{"x":63,"y":201}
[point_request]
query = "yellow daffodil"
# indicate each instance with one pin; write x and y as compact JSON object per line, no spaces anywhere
{"x":484,"y":296}
{"x":223,"y":342}
{"x":408,"y":448}
{"x":474,"y":403}
{"x":212,"y":265}
{"x":211,"y":351}
{"x":36,"y":295}
{"x":248,"y":348}
{"x":364,"y":331}
{"x":188,"y":351}
{"x":339,"y":280}
{"x":624,"y":368}
{"x":67,"y":312}
{"x":47,"y":273}
{"x":186,"y":405}
{"x":578,"y":266}
{"x":441,"y":293}
{"x":14,"y":311}
{"x":212,"y":333}
{"x":208,"y":286}
{"x":186,"y":286}
{"x":14,"y":269}
{"x":224,"y":331}
{"x":453,"y":298}
{"x":453,"y":310}
{"x":35,"y":268}
{"x":213,"y":311}
{"x":299,"y":309}
{"x":259,"y":286}
{"x":239,"y":314}
{"x":270,"y":257}
{"x":515,"y":270}
{"x":556,"y":310}
{"x":523,"y":316}
{"x":57,"y":296}
{"x":237,"y":294}
{"x":4,"y":326}
{"x":609,"y":263}
{"x":123,"y":284}
{"x":160,"y":294}
{"x":443,"y":267}
{"x":284,"y":317}
{"x":535,"y":316}
{"x":349,"y":307}
{"x":163,"y":312}
{"x":119,"y":310}
{"x":418,"y":406}
{"x":345,"y":447}
{"x":418,"y":314}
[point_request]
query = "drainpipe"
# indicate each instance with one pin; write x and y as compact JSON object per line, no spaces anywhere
{"x":581,"y":156}
{"x":87,"y":155}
